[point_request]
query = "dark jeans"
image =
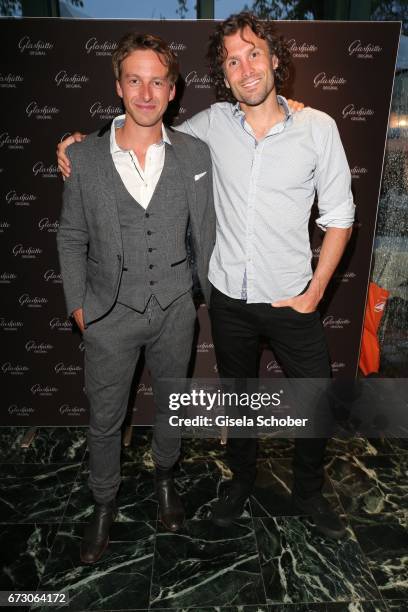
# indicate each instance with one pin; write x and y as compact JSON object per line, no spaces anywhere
{"x":299,"y":345}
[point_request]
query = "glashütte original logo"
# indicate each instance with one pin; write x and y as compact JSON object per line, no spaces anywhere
{"x":29,"y":252}
{"x":10,"y":81}
{"x":43,"y":390}
{"x":67,"y":370}
{"x":4,"y":225}
{"x":14,"y":369}
{"x":345,"y":277}
{"x":58,"y":324}
{"x":273,"y":366}
{"x":177,"y":46}
{"x":70,"y":81}
{"x":10,"y":324}
{"x":38,"y":348}
{"x":20,"y":411}
{"x":358,"y":171}
{"x":328,"y":83}
{"x":51,"y":276}
{"x":37,"y":47}
{"x":203,"y":81}
{"x":363,"y":50}
{"x":106,"y":47}
{"x":45,"y":172}
{"x":26,"y":299}
{"x":301,"y":50}
{"x":316,"y":252}
{"x":13,"y":142}
{"x":336,"y":366}
{"x":33,"y":109}
{"x":335,"y":323}
{"x":72,"y":411}
{"x":20,"y":199}
{"x":205,"y":347}
{"x":356,"y":114}
{"x":145,"y":389}
{"x":97,"y":109}
{"x":47,"y":225}
{"x":6,"y":278}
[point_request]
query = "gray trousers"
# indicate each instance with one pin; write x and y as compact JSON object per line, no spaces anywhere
{"x":112,"y":349}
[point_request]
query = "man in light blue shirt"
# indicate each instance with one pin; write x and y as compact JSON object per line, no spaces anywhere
{"x":268,"y":165}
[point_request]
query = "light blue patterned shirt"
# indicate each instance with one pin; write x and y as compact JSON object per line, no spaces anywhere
{"x":264,"y":191}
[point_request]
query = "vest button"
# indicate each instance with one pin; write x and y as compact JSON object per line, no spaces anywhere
{"x":147,"y":215}
{"x":151,"y":283}
{"x":150,"y":249}
{"x":149,"y":233}
{"x":151,"y":266}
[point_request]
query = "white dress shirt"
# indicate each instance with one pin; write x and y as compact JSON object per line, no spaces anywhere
{"x":263,"y":194}
{"x":138,"y":182}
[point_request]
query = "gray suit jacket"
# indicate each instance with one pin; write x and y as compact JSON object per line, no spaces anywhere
{"x":89,"y":225}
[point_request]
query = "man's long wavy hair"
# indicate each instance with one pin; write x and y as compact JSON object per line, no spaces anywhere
{"x":216,"y":54}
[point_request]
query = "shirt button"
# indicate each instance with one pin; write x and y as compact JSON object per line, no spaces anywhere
{"x":149,"y":233}
{"x":151,"y":266}
{"x":151,"y":283}
{"x":150,"y":249}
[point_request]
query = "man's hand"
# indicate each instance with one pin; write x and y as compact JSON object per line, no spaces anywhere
{"x":63,"y":162}
{"x":333,"y":246}
{"x":78,"y":315}
{"x":305,"y":303}
{"x":293,"y":105}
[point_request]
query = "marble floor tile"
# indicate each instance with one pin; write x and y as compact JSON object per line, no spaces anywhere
{"x":397,"y":605}
{"x":385,"y":545}
{"x":136,"y":498}
{"x":199,"y":449}
{"x":344,"y":606}
{"x":139,"y":451}
{"x":24,"y":551}
{"x":299,"y":566}
{"x":10,"y":439}
{"x":371,"y":485}
{"x":197,"y":485}
{"x":35,"y":493}
{"x":204,"y":563}
{"x":50,"y":445}
{"x":366,"y":447}
{"x":272,"y":493}
{"x":120,"y":580}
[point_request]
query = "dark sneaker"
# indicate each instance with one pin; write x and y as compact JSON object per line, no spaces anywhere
{"x":232,"y":495}
{"x":324,"y":517}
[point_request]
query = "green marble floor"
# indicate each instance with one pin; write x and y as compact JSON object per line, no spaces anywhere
{"x":267,"y":561}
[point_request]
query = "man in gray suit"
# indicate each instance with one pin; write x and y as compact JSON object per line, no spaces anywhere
{"x":127,"y":281}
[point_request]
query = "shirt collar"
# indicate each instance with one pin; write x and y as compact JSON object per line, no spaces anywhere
{"x":119,"y":122}
{"x":238,"y":112}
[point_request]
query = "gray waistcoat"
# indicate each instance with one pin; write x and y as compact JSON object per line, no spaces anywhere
{"x":154,"y":245}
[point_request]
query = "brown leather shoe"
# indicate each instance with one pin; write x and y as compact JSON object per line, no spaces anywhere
{"x":96,"y":533}
{"x":171,"y":511}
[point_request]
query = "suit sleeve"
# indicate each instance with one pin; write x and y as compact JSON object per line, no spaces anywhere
{"x":72,"y":241}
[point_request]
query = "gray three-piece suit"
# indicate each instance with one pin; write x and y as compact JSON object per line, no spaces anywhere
{"x":127,"y":268}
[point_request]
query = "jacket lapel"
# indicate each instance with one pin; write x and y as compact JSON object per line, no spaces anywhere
{"x":183,"y":159}
{"x":104,"y":164}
